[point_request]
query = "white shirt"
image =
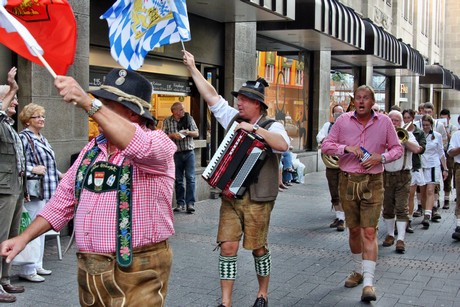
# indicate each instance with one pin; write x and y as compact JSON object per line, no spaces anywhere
{"x":438,"y":127}
{"x":397,"y":165}
{"x":323,"y":132}
{"x":434,"y":151}
{"x":455,"y":143}
{"x":225,"y":113}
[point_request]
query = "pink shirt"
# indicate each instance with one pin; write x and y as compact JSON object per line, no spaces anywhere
{"x":377,"y":136}
{"x":151,"y":153}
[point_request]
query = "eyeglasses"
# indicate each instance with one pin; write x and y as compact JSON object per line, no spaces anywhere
{"x":38,"y":116}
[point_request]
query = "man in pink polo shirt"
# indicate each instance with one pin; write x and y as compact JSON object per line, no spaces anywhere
{"x":364,"y":140}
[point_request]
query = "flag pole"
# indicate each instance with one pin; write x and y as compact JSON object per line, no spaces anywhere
{"x":44,"y":62}
{"x":183,"y":47}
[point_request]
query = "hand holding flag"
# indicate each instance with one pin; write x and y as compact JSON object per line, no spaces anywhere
{"x":136,"y":27}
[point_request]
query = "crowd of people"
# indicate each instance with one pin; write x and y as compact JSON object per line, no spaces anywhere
{"x":120,"y":189}
{"x":382,"y":161}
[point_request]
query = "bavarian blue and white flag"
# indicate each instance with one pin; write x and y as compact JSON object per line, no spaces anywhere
{"x":138,"y":26}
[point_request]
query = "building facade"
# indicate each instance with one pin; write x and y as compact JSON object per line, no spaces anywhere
{"x":314,"y":53}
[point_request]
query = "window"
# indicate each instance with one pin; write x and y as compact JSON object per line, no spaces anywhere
{"x":425,"y":17}
{"x":269,"y":72}
{"x":437,"y":21}
{"x":287,"y":74}
{"x":408,"y":11}
{"x":299,"y":77}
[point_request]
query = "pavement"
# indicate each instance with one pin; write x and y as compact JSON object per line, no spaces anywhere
{"x":310,"y":261}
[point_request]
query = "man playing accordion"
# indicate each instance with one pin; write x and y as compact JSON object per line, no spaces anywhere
{"x":249,"y":215}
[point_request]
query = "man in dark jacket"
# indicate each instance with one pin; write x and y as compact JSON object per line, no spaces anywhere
{"x":12,"y":174}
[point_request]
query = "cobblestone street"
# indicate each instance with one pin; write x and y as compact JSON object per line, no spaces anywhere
{"x":310,"y":261}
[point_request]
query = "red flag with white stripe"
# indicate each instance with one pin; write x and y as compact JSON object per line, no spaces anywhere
{"x":44,"y":28}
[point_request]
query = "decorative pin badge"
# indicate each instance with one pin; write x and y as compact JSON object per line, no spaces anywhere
{"x":121,"y":79}
{"x":98,"y":180}
{"x":111,"y":180}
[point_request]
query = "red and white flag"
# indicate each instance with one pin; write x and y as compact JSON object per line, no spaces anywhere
{"x":44,"y":26}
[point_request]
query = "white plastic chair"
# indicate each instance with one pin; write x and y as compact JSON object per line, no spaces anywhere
{"x":58,"y":239}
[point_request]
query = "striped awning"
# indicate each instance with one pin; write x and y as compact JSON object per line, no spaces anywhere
{"x":318,"y":25}
{"x":382,"y":49}
{"x":412,"y":60}
{"x":438,"y":77}
{"x":456,"y":82}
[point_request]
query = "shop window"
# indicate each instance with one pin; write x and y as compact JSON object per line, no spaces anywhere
{"x":378,"y":84}
{"x":285,"y":95}
{"x":287,"y":75}
{"x":341,"y":91}
{"x":299,"y":77}
{"x":269,"y":72}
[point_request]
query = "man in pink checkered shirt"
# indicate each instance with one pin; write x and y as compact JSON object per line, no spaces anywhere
{"x":122,"y":185}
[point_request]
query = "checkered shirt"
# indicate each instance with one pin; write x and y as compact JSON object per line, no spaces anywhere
{"x":151,"y":153}
{"x":45,"y":156}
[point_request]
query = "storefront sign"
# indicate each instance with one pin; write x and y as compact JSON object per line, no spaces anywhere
{"x":171,"y":86}
{"x":160,"y":86}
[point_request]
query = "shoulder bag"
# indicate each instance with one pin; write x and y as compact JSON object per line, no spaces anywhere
{"x":34,"y":184}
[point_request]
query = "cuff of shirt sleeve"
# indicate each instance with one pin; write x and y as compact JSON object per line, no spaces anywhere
{"x":342,"y":149}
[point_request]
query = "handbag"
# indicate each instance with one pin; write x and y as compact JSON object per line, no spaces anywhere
{"x":35,"y":188}
{"x":34,"y":184}
{"x":31,"y":253}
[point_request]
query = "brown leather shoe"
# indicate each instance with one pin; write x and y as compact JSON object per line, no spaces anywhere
{"x":409,"y":228}
{"x":353,"y":280}
{"x":368,"y":294}
{"x":334,"y":223}
{"x":400,"y":246}
{"x":446,"y":205}
{"x":6,"y":297}
{"x":389,"y":241}
{"x":341,"y":225}
{"x":13,"y":289}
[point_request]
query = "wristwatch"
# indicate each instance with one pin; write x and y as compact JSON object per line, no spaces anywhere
{"x":383,"y":160}
{"x":255,"y":127}
{"x":96,"y":104}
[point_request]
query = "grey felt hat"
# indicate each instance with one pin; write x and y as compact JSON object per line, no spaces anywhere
{"x":254,"y":90}
{"x":128,"y":88}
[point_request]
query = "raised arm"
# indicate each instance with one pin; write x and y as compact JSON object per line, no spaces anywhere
{"x":6,"y":101}
{"x":207,"y":91}
{"x":118,"y":130}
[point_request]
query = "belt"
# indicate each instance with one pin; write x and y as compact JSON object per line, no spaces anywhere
{"x":404,"y":171}
{"x":346,"y":174}
{"x":184,"y":151}
{"x":99,"y":261}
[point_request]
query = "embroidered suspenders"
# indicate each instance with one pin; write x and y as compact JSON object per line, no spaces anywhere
{"x":124,"y":216}
{"x":124,"y":199}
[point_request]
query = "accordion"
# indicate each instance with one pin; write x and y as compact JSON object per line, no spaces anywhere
{"x":236,"y":162}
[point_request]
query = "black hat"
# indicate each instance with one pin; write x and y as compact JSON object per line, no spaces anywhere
{"x":254,"y":90}
{"x":129,"y":89}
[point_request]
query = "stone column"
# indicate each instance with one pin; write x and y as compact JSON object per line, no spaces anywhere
{"x":321,"y":74}
{"x":240,"y":56}
{"x":66,"y":126}
{"x":321,"y":91}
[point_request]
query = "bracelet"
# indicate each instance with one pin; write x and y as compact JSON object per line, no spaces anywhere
{"x":445,"y":170}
